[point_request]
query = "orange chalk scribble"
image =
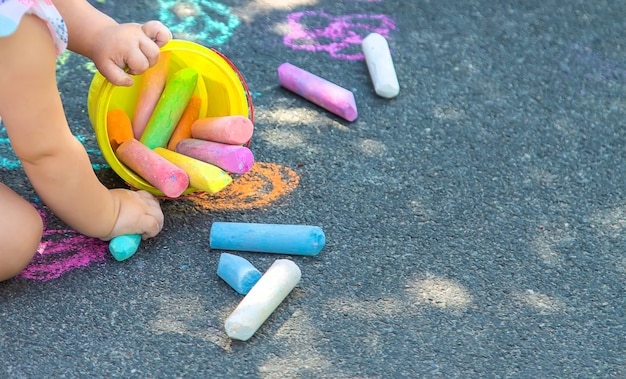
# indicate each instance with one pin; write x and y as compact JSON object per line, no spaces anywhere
{"x":260,"y":187}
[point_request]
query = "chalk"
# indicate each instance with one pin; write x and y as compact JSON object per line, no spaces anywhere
{"x":232,"y":130}
{"x":232,"y":158}
{"x":150,"y":90}
{"x":119,"y":127}
{"x":124,"y":246}
{"x":327,"y":95}
{"x":153,"y":168}
{"x":380,"y":65}
{"x":183,"y":128}
{"x":238,"y":272}
{"x":267,"y":238}
{"x":264,"y":297}
{"x":172,"y":103}
{"x":202,"y":176}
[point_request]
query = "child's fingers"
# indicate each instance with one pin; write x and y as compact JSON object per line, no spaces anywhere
{"x":154,"y":208}
{"x":114,"y":72}
{"x":150,"y":51}
{"x":151,"y":227}
{"x":137,"y":62}
{"x":157,"y":32}
{"x":153,"y":220}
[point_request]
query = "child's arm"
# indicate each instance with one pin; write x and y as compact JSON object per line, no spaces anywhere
{"x":54,"y":160}
{"x":114,"y":48}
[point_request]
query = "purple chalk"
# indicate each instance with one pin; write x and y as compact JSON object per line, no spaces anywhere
{"x":327,"y":95}
{"x":232,"y":158}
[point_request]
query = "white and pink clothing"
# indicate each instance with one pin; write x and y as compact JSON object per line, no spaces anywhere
{"x":12,"y":11}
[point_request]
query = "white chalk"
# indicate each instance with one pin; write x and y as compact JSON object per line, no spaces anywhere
{"x":380,"y":65}
{"x":264,"y":297}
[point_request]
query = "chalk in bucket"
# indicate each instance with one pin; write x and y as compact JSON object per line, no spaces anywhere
{"x":221,"y":87}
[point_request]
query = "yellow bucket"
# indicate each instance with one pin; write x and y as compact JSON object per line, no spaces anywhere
{"x":220,"y":86}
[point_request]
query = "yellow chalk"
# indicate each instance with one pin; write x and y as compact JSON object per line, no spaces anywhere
{"x":202,"y":176}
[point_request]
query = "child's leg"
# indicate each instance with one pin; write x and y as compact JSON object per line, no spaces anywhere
{"x":55,"y":162}
{"x":20,"y":232}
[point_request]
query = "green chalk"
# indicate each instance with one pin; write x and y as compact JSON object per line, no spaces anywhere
{"x":176,"y":94}
{"x":124,"y":246}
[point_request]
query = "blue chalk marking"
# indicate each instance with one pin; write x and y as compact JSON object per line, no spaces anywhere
{"x":238,"y":272}
{"x":12,"y":162}
{"x":192,"y":20}
{"x":267,"y":238}
{"x":9,"y":160}
{"x":124,"y":246}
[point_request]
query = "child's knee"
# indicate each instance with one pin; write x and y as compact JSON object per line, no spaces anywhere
{"x":17,"y":249}
{"x":33,"y":230}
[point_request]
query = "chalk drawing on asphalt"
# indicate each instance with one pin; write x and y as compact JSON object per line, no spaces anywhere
{"x":207,"y":22}
{"x":339,"y":36}
{"x":62,"y":251}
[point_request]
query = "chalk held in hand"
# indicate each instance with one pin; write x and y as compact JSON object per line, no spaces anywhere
{"x":124,"y":246}
{"x":238,"y":272}
{"x":172,"y":103}
{"x":327,"y":95}
{"x":267,"y":238}
{"x":202,"y":176}
{"x":232,"y":158}
{"x":153,"y":168}
{"x":380,"y":65}
{"x":266,"y":295}
{"x":232,"y":130}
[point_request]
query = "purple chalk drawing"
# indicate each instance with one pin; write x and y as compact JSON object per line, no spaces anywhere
{"x":61,"y":251}
{"x":339,"y":36}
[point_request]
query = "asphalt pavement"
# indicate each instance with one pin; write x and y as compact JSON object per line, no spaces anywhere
{"x":475,"y":224}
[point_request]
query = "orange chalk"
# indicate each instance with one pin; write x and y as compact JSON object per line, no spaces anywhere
{"x":156,"y":170}
{"x":231,"y":130}
{"x":183,"y":128}
{"x":150,"y":90}
{"x":119,"y":127}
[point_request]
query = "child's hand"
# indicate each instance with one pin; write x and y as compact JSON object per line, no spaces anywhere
{"x":139,"y":213}
{"x":125,"y":49}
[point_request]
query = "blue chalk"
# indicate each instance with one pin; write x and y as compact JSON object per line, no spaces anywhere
{"x":124,"y":246}
{"x":238,"y":272}
{"x":267,"y":238}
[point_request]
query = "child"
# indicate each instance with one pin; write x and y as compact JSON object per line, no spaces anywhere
{"x":32,"y":34}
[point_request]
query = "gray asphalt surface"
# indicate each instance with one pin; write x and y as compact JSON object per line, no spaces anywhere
{"x":475,"y":225}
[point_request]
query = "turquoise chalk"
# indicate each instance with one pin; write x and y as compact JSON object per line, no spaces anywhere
{"x":267,"y":238}
{"x":237,"y":272}
{"x":124,"y":246}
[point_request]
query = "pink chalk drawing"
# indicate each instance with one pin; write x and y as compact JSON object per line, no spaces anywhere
{"x":339,"y":36}
{"x":61,"y":251}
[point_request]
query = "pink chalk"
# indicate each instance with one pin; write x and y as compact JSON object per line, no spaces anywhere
{"x":327,"y":95}
{"x":156,"y":170}
{"x":232,"y":158}
{"x":233,"y":130}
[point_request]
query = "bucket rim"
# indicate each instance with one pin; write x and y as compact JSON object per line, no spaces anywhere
{"x":101,"y":88}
